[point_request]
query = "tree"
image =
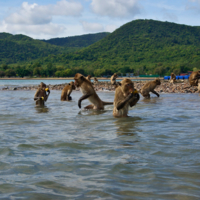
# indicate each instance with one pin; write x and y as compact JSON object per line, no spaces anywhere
{"x":159,"y":70}
{"x":50,"y":69}
{"x":2,"y":73}
{"x":59,"y":73}
{"x":4,"y":67}
{"x":177,"y":71}
{"x":99,"y":72}
{"x":10,"y":72}
{"x":36,"y":71}
{"x":20,"y":71}
{"x":67,"y":73}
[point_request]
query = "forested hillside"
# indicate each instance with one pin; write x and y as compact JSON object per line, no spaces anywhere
{"x":17,"y":48}
{"x":77,"y":41}
{"x":21,"y":48}
{"x":140,"y":46}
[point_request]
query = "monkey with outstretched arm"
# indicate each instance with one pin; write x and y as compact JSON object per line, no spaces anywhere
{"x":89,"y":93}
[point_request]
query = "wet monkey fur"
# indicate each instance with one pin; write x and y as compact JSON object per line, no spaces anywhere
{"x":89,"y":77}
{"x":41,"y":94}
{"x":66,"y":92}
{"x":89,"y":93}
{"x":113,"y":79}
{"x":194,"y":77}
{"x":95,"y":80}
{"x":149,"y":87}
{"x":125,"y":96}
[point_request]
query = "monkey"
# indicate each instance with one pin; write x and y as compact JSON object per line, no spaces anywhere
{"x":89,"y":93}
{"x":41,"y":96}
{"x":172,"y":78}
{"x":199,"y":87}
{"x":193,"y":79}
{"x":125,"y":96}
{"x":95,"y":80}
{"x":149,"y":87}
{"x":66,"y":92}
{"x":89,"y":78}
{"x":113,"y":79}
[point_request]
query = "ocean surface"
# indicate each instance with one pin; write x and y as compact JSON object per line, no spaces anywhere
{"x":63,"y":152}
{"x":30,"y":82}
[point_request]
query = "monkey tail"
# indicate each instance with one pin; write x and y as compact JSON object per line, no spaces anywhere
{"x":107,"y":103}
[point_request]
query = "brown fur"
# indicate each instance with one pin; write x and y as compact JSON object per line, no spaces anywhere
{"x":194,"y":77}
{"x":89,"y":77}
{"x":89,"y":93}
{"x":198,"y":87}
{"x":113,"y":79}
{"x":125,"y":96}
{"x":41,"y":93}
{"x":66,"y":92}
{"x":149,"y":87}
{"x":172,"y":78}
{"x":95,"y":80}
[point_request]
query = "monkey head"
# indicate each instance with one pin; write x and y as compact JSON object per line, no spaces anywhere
{"x":127,"y":86}
{"x":197,"y":74}
{"x":42,"y":86}
{"x":115,"y":75}
{"x":89,"y":76}
{"x":157,"y":81}
{"x":73,"y":85}
{"x":79,"y":79}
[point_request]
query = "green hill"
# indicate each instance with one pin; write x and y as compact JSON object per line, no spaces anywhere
{"x":144,"y":46}
{"x":77,"y":41}
{"x":140,"y":46}
{"x":21,"y":48}
{"x":18,"y":48}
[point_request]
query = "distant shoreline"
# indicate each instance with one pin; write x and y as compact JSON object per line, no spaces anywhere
{"x":71,"y":78}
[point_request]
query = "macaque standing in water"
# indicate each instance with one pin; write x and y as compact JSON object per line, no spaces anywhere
{"x":149,"y":87}
{"x":41,"y":94}
{"x":125,"y":95}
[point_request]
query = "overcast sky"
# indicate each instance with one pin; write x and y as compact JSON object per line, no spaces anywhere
{"x":45,"y":19}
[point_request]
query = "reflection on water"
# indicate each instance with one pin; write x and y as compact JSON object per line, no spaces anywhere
{"x":62,"y":152}
{"x":41,"y":109}
{"x":91,"y":112}
{"x":127,"y":126}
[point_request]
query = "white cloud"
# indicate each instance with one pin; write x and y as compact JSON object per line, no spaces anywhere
{"x":36,"y":14}
{"x":115,"y":8}
{"x":35,"y":31}
{"x":92,"y":27}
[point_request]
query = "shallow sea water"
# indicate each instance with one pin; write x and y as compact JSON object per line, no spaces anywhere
{"x":62,"y":152}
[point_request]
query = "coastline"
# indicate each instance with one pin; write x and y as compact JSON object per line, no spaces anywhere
{"x":181,"y":86}
{"x":72,"y":78}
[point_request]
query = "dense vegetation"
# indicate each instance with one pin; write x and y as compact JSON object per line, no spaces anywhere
{"x":77,"y":41}
{"x":16,"y":48}
{"x":140,"y":46}
{"x":21,"y":48}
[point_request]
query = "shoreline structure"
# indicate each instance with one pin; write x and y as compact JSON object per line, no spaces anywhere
{"x":181,"y":86}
